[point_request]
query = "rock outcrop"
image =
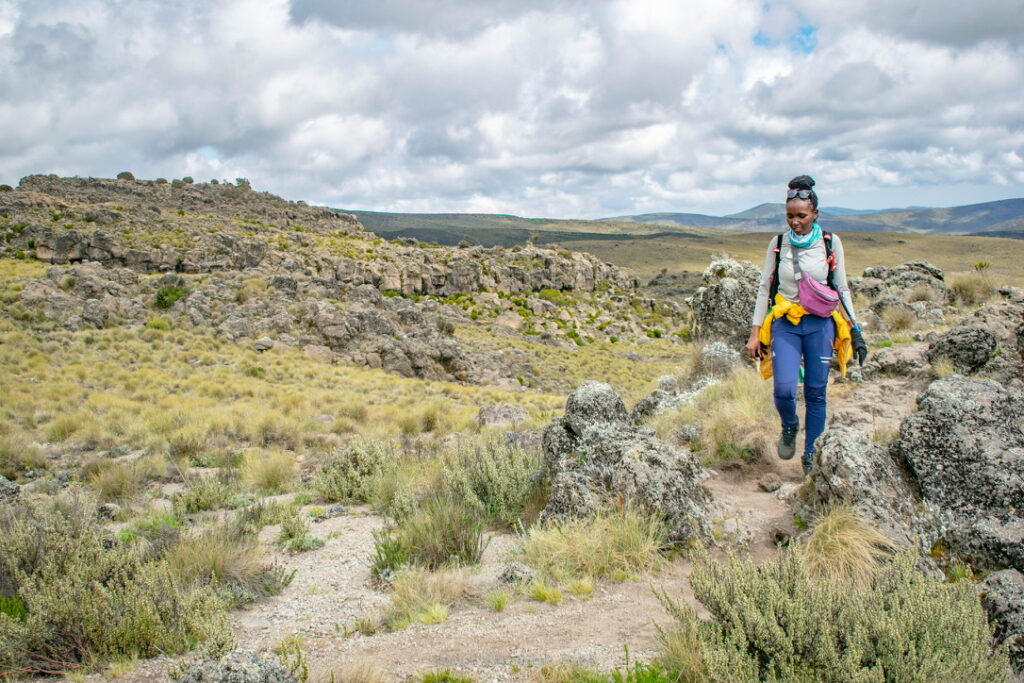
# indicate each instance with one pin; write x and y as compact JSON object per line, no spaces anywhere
{"x":1003,"y":599}
{"x":597,"y":457}
{"x":723,"y":305}
{"x":968,"y":347}
{"x":964,"y":450}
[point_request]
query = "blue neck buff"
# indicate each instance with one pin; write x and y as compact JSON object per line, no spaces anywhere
{"x":807,"y":240}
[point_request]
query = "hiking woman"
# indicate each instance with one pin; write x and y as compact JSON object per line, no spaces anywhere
{"x":794,"y":319}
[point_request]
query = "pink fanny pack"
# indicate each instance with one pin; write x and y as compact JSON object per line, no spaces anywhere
{"x":817,"y":298}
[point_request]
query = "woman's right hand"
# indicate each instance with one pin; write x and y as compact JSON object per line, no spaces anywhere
{"x":754,"y":342}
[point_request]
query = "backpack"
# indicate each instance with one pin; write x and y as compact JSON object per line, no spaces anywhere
{"x":773,"y":288}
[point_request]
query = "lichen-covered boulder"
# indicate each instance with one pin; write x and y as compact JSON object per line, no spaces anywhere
{"x":240,"y":666}
{"x":722,"y":307}
{"x":597,"y":457}
{"x":964,"y":450}
{"x":1003,"y":599}
{"x":852,"y":470}
{"x":968,"y":347}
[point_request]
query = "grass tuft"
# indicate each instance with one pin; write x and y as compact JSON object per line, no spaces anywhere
{"x":612,"y":545}
{"x":844,"y":546}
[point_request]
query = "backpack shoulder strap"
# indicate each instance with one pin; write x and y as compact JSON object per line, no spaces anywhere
{"x":830,"y":259}
{"x":773,"y":288}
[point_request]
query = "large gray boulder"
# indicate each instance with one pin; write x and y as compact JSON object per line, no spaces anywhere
{"x":722,"y":307}
{"x":1003,"y":599}
{"x":597,"y":458}
{"x":240,"y":666}
{"x":852,"y":470}
{"x":964,"y":451}
{"x":8,"y":490}
{"x":968,"y":347}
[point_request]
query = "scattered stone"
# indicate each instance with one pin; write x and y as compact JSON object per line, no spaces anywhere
{"x":330,"y":512}
{"x":501,"y":414}
{"x":263,"y":344}
{"x":109,"y":510}
{"x":240,"y":666}
{"x":517,"y":572}
{"x":770,"y":482}
{"x":8,"y":490}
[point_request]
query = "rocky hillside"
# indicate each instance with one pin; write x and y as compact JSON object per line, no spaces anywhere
{"x":266,"y":271}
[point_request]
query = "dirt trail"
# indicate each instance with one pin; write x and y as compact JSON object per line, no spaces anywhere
{"x":332,"y":589}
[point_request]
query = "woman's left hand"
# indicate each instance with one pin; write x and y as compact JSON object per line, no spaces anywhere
{"x":860,"y":348}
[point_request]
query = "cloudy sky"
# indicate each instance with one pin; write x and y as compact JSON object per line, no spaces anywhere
{"x":560,"y":108}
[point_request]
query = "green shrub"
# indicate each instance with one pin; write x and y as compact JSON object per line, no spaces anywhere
{"x":356,"y":472}
{"x":295,"y":533}
{"x":505,"y":482}
{"x":441,"y":532}
{"x":774,"y":622}
{"x":204,"y":493}
{"x":167,"y":296}
{"x":157,"y":323}
{"x":85,"y":599}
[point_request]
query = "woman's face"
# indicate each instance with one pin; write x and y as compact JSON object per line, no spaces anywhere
{"x":800,"y":215}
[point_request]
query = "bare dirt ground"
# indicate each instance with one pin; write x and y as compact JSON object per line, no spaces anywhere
{"x":332,"y":587}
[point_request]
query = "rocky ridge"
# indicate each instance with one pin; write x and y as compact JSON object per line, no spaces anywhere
{"x":258,"y":269}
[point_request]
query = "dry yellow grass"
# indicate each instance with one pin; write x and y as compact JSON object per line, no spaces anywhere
{"x":846,"y":547}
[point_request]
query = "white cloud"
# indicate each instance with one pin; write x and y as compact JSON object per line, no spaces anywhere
{"x":557,"y":108}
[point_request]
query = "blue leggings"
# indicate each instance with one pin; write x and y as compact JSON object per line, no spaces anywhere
{"x":811,"y":339}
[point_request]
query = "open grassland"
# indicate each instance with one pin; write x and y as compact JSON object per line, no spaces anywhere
{"x":647,"y":257}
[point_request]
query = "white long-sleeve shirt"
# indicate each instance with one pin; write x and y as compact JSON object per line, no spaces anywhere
{"x":812,"y":263}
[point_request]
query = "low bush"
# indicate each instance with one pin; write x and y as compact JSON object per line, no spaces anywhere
{"x":505,"y":482}
{"x":775,"y":622}
{"x":357,"y":472}
{"x":168,"y":296}
{"x":295,"y":533}
{"x":205,"y":493}
{"x":84,"y":599}
{"x":611,"y":545}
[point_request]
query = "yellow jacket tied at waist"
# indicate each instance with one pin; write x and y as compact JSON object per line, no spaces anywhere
{"x":792,"y":311}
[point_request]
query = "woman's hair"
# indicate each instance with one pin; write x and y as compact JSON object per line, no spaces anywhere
{"x":805,"y":182}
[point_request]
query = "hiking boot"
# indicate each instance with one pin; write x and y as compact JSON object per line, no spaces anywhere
{"x":787,"y":442}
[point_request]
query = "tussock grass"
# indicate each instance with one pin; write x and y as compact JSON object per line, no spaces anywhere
{"x":899,"y":318}
{"x":423,"y":596}
{"x":358,"y":671}
{"x":972,"y":288}
{"x":112,"y":479}
{"x":18,"y":456}
{"x":268,"y":472}
{"x":610,"y":545}
{"x":441,"y":532}
{"x":735,"y":418}
{"x":842,"y":545}
{"x":542,"y":591}
{"x":941,"y":367}
{"x":775,"y":622}
{"x":228,"y":561}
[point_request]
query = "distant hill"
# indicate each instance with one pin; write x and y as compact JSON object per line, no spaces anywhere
{"x":1005,"y":216}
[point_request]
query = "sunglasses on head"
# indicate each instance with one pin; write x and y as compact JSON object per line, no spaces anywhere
{"x":802,"y":194}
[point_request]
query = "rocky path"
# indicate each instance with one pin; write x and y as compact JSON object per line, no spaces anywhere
{"x":332,"y":588}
